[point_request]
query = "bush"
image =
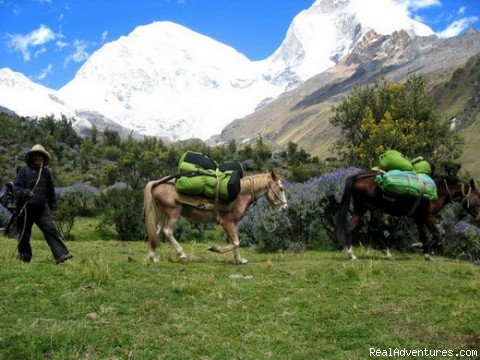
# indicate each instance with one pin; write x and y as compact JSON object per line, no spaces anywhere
{"x":309,"y":220}
{"x":461,"y":239}
{"x":81,"y":196}
{"x":65,"y":219}
{"x":188,"y":231}
{"x":122,"y":208}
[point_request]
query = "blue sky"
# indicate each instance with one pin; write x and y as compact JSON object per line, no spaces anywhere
{"x":48,"y":40}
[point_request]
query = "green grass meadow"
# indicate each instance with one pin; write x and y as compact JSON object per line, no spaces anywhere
{"x":109,"y":302}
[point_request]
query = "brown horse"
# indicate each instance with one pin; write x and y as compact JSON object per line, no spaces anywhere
{"x":161,"y":211}
{"x":367,"y":196}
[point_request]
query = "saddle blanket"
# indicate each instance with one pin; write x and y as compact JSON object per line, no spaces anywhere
{"x":203,"y":203}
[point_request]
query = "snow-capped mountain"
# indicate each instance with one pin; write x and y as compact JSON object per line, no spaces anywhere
{"x":166,"y":80}
{"x":330,"y":29}
{"x":19,"y":95}
{"x":26,"y":98}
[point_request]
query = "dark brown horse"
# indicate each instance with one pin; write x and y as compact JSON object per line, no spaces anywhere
{"x":367,"y":196}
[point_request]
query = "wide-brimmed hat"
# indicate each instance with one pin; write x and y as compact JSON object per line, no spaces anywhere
{"x":38,"y":149}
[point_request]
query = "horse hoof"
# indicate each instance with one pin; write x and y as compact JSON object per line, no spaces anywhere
{"x":241,"y":262}
{"x":153,"y":259}
{"x":213,"y":248}
{"x":417,"y":245}
{"x":428,"y":257}
{"x":388,"y":257}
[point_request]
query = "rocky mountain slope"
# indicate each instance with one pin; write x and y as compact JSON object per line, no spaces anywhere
{"x":302,"y":115}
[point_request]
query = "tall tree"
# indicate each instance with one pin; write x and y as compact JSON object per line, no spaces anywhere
{"x":392,"y":116}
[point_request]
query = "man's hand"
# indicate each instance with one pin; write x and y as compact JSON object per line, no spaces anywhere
{"x":30,"y":193}
{"x":54,"y":214}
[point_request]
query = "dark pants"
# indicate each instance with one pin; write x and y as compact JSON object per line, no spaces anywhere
{"x":39,"y":215}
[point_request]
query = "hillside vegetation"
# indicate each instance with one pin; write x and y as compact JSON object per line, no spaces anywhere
{"x":459,"y":99}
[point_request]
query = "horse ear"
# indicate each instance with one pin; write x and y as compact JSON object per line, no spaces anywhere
{"x":274,"y":176}
{"x":472,"y":184}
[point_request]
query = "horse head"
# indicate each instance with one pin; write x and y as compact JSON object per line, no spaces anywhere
{"x":276,"y":194}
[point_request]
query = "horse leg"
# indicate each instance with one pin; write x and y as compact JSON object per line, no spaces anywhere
{"x":422,"y":235}
{"x":377,"y":233}
{"x":352,"y":226}
{"x":152,"y":256}
{"x":167,"y":230}
{"x":232,"y":234}
{"x":427,"y":246}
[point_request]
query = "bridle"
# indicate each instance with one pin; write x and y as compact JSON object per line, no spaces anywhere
{"x":276,"y":202}
{"x":278,"y":199}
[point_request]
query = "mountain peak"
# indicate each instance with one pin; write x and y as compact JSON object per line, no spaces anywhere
{"x":166,"y":80}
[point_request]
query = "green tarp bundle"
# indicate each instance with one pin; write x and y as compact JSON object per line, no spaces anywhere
{"x":206,"y":184}
{"x":394,"y":160}
{"x":208,"y":175}
{"x":400,"y":183}
{"x":192,"y":161}
{"x":422,"y":166}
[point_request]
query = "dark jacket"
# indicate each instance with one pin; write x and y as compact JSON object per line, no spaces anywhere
{"x":44,"y":192}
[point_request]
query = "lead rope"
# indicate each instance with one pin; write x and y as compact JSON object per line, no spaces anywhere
{"x":465,"y":196}
{"x":217,"y":191}
{"x":448,"y":191}
{"x":24,"y":209}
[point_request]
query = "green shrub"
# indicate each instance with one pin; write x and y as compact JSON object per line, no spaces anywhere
{"x":122,"y":208}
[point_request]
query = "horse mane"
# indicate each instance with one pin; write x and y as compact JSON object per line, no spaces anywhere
{"x":253,"y":183}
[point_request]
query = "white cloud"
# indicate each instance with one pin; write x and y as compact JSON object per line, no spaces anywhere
{"x":61,"y":44}
{"x":461,"y":11}
{"x":104,"y":35}
{"x":23,"y":43}
{"x":419,"y":4}
{"x":457,"y":27}
{"x":79,"y":55}
{"x":44,"y":73}
{"x":39,"y":52}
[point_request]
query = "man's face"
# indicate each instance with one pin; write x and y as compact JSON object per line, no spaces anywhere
{"x":37,"y":159}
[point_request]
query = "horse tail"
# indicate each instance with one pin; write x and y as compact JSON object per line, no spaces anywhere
{"x":151,"y":214}
{"x":341,"y":223}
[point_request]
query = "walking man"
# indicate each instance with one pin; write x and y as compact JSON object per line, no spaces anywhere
{"x":35,"y":195}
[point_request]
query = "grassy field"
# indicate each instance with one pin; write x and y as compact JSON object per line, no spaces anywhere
{"x":110,"y":303}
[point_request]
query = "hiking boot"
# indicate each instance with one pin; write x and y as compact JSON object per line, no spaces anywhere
{"x":63,"y":258}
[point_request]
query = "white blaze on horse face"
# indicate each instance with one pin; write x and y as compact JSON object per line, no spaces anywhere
{"x":276,"y":196}
{"x":283,"y":197}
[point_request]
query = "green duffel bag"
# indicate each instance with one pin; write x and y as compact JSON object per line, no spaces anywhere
{"x":191,"y":185}
{"x":422,"y":165}
{"x":403,"y":183}
{"x":230,"y":185}
{"x":206,"y":185}
{"x":394,"y":160}
{"x":232,"y":165}
{"x":193,"y":161}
